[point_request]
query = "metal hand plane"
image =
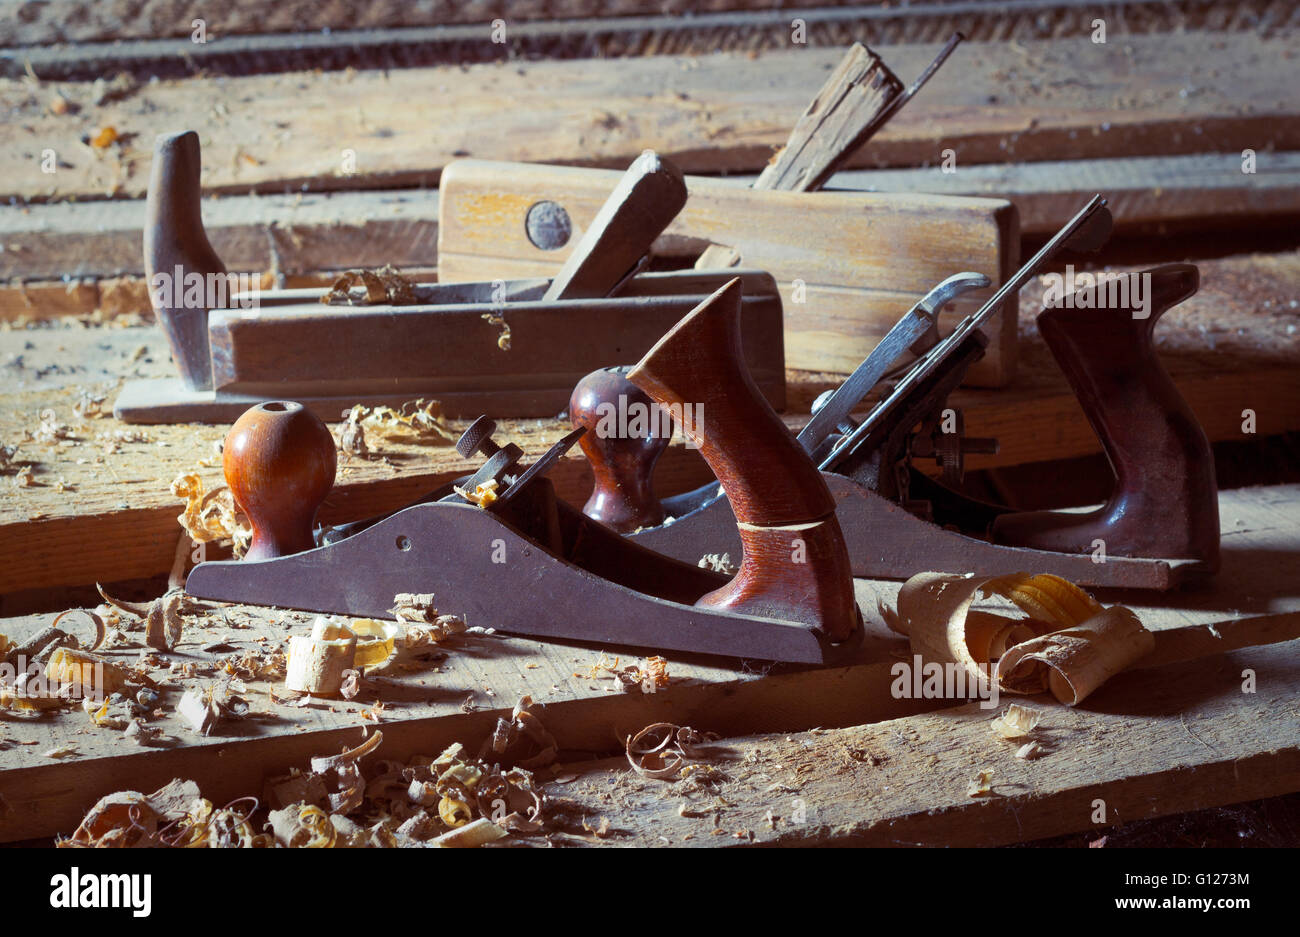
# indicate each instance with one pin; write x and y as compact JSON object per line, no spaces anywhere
{"x":499,"y":548}
{"x":1159,"y":527}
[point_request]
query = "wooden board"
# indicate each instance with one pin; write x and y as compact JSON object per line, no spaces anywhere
{"x":848,"y":264}
{"x":1150,"y":743}
{"x":1230,"y":348}
{"x":424,"y":712}
{"x":992,"y":102}
{"x":311,"y":232}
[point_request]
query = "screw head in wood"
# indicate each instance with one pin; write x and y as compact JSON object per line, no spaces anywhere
{"x":548,"y":225}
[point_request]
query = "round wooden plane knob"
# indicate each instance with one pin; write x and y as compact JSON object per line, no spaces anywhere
{"x":796,"y":564}
{"x":626,"y":434}
{"x":279,"y":461}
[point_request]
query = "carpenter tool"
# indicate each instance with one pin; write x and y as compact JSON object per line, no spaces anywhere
{"x":1158,"y":529}
{"x":499,"y":548}
{"x":844,"y":261}
{"x":442,"y":341}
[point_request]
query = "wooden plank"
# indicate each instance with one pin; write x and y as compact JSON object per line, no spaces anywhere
{"x":1251,"y":603}
{"x":310,"y":232}
{"x":1230,"y":348}
{"x":1148,"y":744}
{"x":1149,"y":194}
{"x":848,"y":264}
{"x":992,"y":102}
{"x":302,"y":233}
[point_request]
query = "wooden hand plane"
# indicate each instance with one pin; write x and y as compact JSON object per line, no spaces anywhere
{"x":500,"y":549}
{"x":233,"y":351}
{"x":1159,"y":527}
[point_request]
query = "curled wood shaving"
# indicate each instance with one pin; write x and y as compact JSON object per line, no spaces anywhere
{"x":418,"y":420}
{"x":416,"y":612}
{"x":523,"y":723}
{"x":376,"y":287}
{"x":205,"y":708}
{"x":302,"y":826}
{"x":982,"y":785}
{"x":649,"y":677}
{"x":1074,"y":662}
{"x":96,"y":622}
{"x":503,"y":339}
{"x":164,"y":616}
{"x":660,"y":750}
{"x":211,"y":516}
{"x":1069,"y":644}
{"x":1029,"y":750}
{"x":129,"y":818}
{"x":1017,"y":722}
{"x":89,"y":405}
{"x":88,"y":674}
{"x":483,"y":494}
{"x":352,"y":435}
{"x":450,"y":800}
{"x":477,"y":833}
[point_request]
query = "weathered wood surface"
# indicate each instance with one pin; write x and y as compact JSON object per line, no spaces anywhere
{"x":835,"y":124}
{"x":310,"y":232}
{"x":1254,"y":601}
{"x":724,"y":23}
{"x":1230,"y":348}
{"x":993,"y":102}
{"x":848,"y":264}
{"x":1150,"y":743}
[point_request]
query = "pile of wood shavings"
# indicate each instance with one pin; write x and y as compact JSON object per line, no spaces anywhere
{"x":452,"y":800}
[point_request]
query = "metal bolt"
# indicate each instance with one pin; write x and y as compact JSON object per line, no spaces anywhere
{"x":548,"y":225}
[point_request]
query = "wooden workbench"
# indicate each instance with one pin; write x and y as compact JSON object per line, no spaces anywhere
{"x":1031,"y":110}
{"x":1154,"y":721}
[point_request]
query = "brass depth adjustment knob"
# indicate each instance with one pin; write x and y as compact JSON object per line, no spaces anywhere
{"x":279,"y":461}
{"x":626,"y":434}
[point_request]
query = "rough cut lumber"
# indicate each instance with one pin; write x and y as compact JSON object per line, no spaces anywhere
{"x":848,"y":264}
{"x":1150,"y":743}
{"x":426,"y":710}
{"x":311,"y":232}
{"x":992,"y":102}
{"x":835,"y":124}
{"x":1148,"y":194}
{"x":303,"y":233}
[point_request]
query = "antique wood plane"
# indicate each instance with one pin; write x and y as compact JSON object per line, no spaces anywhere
{"x":1158,"y":529}
{"x":844,"y":261}
{"x":441,"y":340}
{"x":499,"y":548}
